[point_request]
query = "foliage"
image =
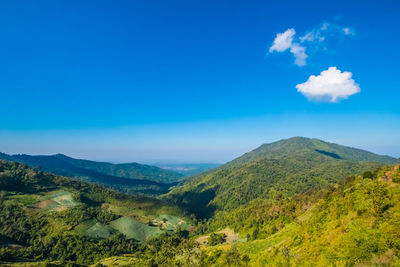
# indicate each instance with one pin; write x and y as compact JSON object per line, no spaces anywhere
{"x":356,"y":222}
{"x":128,"y":178}
{"x":216,"y":238}
{"x":44,"y":234}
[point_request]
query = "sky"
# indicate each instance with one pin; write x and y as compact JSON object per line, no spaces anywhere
{"x":196,"y":81}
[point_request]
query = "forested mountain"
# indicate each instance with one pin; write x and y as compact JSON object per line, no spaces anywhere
{"x":129,"y":177}
{"x":313,"y":204}
{"x":298,"y":146}
{"x":54,"y":218}
{"x":356,"y":222}
{"x":283,"y":168}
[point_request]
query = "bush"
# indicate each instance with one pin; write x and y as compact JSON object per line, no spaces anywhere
{"x":368,"y":175}
{"x":216,"y":239}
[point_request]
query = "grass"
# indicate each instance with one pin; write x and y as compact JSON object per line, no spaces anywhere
{"x":64,"y":199}
{"x":133,"y":229}
{"x":99,"y":231}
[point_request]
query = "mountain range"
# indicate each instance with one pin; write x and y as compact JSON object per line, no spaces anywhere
{"x":293,"y":202}
{"x":127,"y":177}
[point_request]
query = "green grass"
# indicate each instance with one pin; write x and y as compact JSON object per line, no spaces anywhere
{"x":64,"y":198}
{"x":133,"y":229}
{"x":99,"y":231}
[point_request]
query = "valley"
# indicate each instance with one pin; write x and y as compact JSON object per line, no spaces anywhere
{"x":296,"y":201}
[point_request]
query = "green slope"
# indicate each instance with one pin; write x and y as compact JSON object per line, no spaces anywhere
{"x":128,"y":170}
{"x":286,"y":167}
{"x":56,"y":218}
{"x":299,"y":145}
{"x":354,"y":223}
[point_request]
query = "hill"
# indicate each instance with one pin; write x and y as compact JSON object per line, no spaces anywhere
{"x":282,"y":168}
{"x":128,"y":177}
{"x":49,"y":217}
{"x":353,"y":223}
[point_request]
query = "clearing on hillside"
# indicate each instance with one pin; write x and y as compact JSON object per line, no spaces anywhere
{"x":133,"y":229}
{"x":61,"y":201}
{"x":99,"y":231}
{"x":170,"y":222}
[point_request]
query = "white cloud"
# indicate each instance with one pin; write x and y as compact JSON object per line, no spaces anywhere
{"x":313,"y":40}
{"x":349,"y":31}
{"x":331,"y":86}
{"x":299,"y":53}
{"x":318,"y":34}
{"x":284,"y":41}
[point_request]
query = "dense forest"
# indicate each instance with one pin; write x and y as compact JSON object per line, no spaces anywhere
{"x":283,"y":168}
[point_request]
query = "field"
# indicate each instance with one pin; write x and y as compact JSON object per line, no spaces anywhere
{"x":63,"y":200}
{"x":134,"y":229}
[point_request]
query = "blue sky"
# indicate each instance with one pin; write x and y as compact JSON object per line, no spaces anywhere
{"x":196,"y":81}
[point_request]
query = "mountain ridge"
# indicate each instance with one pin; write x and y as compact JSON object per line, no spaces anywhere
{"x":128,"y":178}
{"x":286,"y":167}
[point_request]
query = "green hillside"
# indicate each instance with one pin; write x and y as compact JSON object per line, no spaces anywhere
{"x":49,"y":217}
{"x":128,"y":178}
{"x":129,"y":170}
{"x":354,"y":223}
{"x":299,"y":145}
{"x":283,"y":168}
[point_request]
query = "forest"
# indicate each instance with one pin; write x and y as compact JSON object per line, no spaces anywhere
{"x":318,"y":204}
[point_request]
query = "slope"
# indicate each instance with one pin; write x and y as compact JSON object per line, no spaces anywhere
{"x":354,"y":223}
{"x":129,"y":178}
{"x":57,"y":218}
{"x":283,"y":168}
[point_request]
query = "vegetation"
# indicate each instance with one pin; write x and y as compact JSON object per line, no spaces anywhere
{"x":216,"y":239}
{"x":273,"y":171}
{"x":355,"y":222}
{"x":48,"y":217}
{"x":299,"y":202}
{"x":128,"y":178}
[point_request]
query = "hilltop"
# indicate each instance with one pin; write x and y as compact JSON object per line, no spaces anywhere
{"x":283,"y":168}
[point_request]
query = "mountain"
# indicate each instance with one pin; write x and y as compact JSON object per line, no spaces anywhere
{"x":356,"y":222}
{"x":283,"y":168}
{"x":128,"y":177}
{"x":44,"y":217}
{"x":299,"y":145}
{"x":188,"y":169}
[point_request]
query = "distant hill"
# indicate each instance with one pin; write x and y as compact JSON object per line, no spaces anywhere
{"x":285,"y":167}
{"x":188,"y":169}
{"x":128,"y":177}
